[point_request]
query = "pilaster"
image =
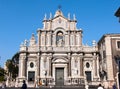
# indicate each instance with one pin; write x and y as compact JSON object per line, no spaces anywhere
{"x":54,"y":40}
{"x":38,"y":65}
{"x":22,"y":68}
{"x":81,"y":66}
{"x":49,"y":39}
{"x":50,"y":64}
{"x":109,"y":58}
{"x":69,"y":64}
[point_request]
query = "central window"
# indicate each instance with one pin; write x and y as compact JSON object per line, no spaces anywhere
{"x":59,"y":39}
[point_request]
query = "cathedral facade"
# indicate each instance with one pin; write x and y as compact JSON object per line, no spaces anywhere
{"x":58,"y":56}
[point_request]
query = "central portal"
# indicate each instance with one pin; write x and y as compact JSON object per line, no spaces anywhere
{"x":59,"y":76}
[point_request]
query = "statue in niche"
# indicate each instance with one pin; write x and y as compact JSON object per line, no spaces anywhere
{"x":60,"y":41}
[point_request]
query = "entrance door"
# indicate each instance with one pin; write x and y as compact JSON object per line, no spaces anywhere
{"x":88,"y":75}
{"x":59,"y":76}
{"x":31,"y":76}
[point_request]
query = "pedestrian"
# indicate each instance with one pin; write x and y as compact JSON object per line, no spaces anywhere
{"x":100,"y":86}
{"x":40,"y":82}
{"x":3,"y":85}
{"x":114,"y":86}
{"x":24,"y":85}
{"x":36,"y":84}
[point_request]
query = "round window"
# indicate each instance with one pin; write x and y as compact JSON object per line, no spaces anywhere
{"x":87,"y":65}
{"x":31,"y":64}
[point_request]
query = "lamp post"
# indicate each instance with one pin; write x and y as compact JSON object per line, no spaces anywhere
{"x":117,"y":13}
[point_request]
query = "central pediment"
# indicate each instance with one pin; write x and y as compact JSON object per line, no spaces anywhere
{"x":59,"y":21}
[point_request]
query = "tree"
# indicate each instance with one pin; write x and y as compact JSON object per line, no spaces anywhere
{"x":2,"y":74}
{"x":12,"y":69}
{"x":12,"y":66}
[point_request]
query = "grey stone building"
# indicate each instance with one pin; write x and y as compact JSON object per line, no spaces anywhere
{"x":58,"y":56}
{"x":109,"y":50}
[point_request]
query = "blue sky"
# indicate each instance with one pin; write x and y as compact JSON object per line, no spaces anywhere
{"x":20,"y":18}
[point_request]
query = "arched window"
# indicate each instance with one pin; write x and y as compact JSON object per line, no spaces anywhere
{"x":59,"y":39}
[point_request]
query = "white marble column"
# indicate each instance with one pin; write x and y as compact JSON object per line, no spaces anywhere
{"x":70,"y":67}
{"x":22,"y":66}
{"x":43,"y":39}
{"x":50,"y":64}
{"x":66,"y":40}
{"x":39,"y":36}
{"x":97,"y":62}
{"x":81,"y":66}
{"x":80,"y":35}
{"x":73,"y":34}
{"x":95,"y":66}
{"x":49,"y":39}
{"x":54,"y":40}
{"x":38,"y":65}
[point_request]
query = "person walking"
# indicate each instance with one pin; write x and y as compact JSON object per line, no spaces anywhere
{"x":24,"y":86}
{"x":100,"y":86}
{"x":114,"y":86}
{"x":3,"y":85}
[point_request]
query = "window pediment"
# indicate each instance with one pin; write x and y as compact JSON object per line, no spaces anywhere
{"x":60,"y":60}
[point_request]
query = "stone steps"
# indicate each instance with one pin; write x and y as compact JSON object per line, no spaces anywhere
{"x":57,"y":87}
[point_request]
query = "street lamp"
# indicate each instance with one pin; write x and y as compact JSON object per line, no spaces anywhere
{"x":117,"y":13}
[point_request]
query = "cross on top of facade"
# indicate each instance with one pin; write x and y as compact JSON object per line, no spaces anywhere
{"x":59,"y":7}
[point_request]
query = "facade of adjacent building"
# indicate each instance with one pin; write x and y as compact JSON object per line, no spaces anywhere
{"x":109,"y":49}
{"x":58,"y":57}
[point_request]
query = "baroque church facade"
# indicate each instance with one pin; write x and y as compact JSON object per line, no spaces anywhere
{"x":58,"y":56}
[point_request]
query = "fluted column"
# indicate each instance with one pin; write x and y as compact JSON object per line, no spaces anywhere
{"x":43,"y":39}
{"x":49,"y":39}
{"x":54,"y":40}
{"x":50,"y":64}
{"x":22,"y":66}
{"x":39,"y":37}
{"x":68,"y":38}
{"x":45,"y":36}
{"x":81,"y":66}
{"x":95,"y":64}
{"x":38,"y":65}
{"x":97,"y":61}
{"x":69,"y":64}
{"x":74,"y":37}
{"x":80,"y":38}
